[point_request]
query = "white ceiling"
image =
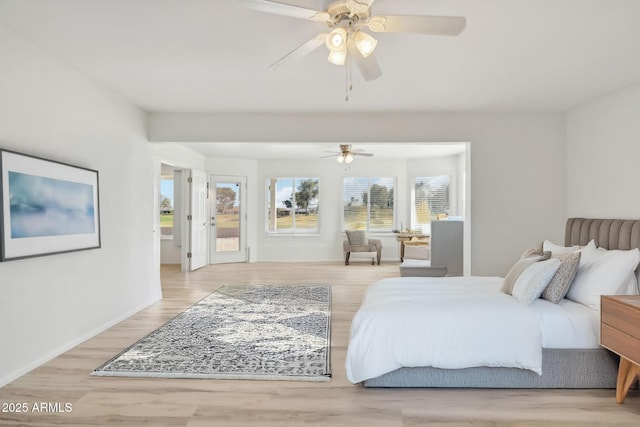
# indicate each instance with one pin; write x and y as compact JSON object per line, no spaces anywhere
{"x":210,"y":56}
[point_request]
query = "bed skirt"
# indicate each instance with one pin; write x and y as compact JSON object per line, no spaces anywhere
{"x":561,"y":368}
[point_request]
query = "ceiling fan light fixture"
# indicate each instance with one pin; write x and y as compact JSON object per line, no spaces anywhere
{"x":338,"y":57}
{"x":346,"y":20}
{"x":337,"y":40}
{"x":348,"y":158}
{"x":340,"y":158}
{"x":365,"y":43}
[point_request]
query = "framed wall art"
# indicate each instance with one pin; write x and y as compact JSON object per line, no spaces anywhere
{"x":46,"y":207}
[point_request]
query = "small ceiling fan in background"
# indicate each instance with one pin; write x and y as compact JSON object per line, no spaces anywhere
{"x":347,"y":154}
{"x":346,"y":39}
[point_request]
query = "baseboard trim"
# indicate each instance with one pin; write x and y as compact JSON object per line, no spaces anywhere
{"x":68,"y":346}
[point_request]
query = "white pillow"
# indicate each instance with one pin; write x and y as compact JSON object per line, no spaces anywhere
{"x":630,"y":285}
{"x":534,"y":279}
{"x":561,"y":250}
{"x":557,"y":249}
{"x":518,"y":268}
{"x":603,"y":272}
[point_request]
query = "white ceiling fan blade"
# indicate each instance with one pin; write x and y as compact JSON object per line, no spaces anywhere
{"x":359,"y":6}
{"x":301,"y":51}
{"x":423,"y":24}
{"x":368,"y":66}
{"x":355,"y":153}
{"x":280,"y":8}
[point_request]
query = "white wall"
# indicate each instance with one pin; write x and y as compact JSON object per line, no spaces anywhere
{"x":517,"y":162}
{"x":327,"y":245}
{"x":603,"y":152}
{"x":49,"y":304}
{"x":178,"y":156}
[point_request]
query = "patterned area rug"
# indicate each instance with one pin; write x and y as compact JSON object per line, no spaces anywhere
{"x":269,"y":332}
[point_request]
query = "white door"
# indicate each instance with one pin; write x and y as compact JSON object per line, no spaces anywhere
{"x":198,"y":220}
{"x":228,"y":219}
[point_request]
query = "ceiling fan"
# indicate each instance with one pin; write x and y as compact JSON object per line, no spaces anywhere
{"x":347,"y":154}
{"x":346,"y":21}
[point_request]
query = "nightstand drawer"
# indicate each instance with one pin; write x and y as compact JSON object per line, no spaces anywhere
{"x":620,"y":314}
{"x":620,"y":343}
{"x":620,"y":326}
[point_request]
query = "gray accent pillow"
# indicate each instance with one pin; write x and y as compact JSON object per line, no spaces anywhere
{"x":357,"y":237}
{"x":536,"y":250}
{"x":518,"y":268}
{"x":561,"y":281}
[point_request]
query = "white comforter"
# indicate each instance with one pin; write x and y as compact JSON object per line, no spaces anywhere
{"x":450,"y":323}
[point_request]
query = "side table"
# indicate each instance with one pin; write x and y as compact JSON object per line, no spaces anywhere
{"x":620,"y":333}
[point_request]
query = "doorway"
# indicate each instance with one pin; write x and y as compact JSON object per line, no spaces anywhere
{"x":228,"y":219}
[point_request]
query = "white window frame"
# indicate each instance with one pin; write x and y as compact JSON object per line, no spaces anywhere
{"x":368,"y":224}
{"x":424,"y":228}
{"x":293,"y":231}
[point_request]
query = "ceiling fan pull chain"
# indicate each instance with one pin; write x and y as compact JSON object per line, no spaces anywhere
{"x":347,"y":60}
{"x":350,"y":80}
{"x":346,"y":79}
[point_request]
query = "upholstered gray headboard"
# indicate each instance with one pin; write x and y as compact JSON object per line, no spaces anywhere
{"x":608,"y":233}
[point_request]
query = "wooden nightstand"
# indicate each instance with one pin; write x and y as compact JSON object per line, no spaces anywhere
{"x":620,"y":333}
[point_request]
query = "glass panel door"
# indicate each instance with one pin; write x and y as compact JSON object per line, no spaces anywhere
{"x":228,"y":220}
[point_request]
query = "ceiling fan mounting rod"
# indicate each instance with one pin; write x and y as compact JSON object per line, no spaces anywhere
{"x":340,"y":13}
{"x":345,"y":19}
{"x":348,"y":81}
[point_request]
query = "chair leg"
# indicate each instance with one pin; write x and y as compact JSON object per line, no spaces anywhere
{"x":346,"y":258}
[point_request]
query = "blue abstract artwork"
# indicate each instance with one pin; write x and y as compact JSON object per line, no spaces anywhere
{"x":41,"y":206}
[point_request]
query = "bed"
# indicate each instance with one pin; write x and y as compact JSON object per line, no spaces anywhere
{"x":398,"y":336}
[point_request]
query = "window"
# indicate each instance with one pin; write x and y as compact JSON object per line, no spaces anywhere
{"x":166,"y":207}
{"x":368,"y":204}
{"x":429,"y":201}
{"x":292,"y":205}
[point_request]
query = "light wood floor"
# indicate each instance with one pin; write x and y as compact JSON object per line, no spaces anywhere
{"x":175,"y":402}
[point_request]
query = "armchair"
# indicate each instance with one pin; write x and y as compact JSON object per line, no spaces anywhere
{"x":359,"y":245}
